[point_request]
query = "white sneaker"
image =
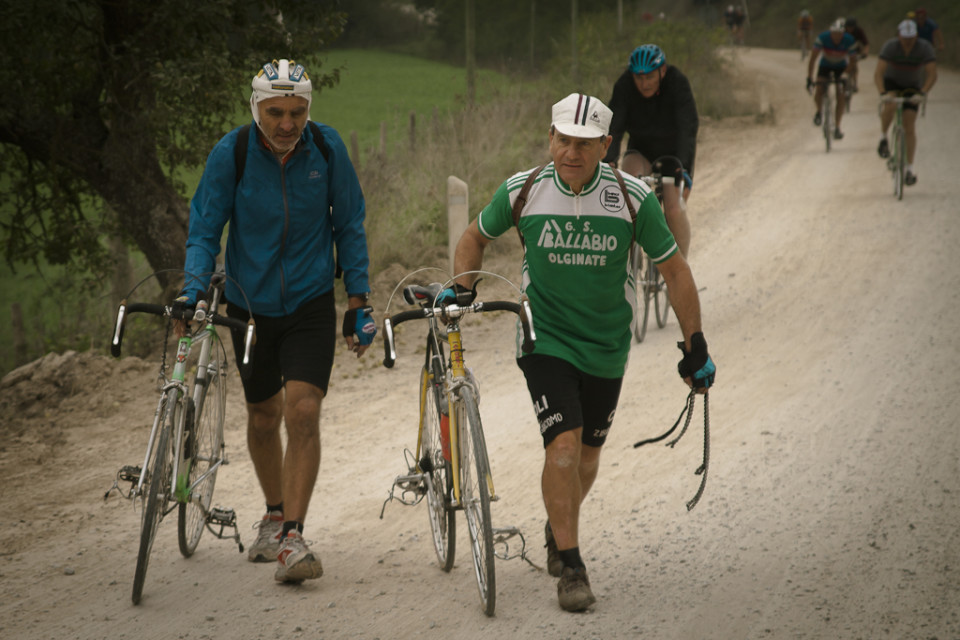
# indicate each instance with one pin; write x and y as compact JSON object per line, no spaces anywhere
{"x":295,"y":561}
{"x":268,"y":538}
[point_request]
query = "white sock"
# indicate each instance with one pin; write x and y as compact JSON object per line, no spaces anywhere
{"x":909,"y":168}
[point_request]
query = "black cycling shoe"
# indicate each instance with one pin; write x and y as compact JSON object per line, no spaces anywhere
{"x":884,"y":149}
{"x":817,"y":119}
{"x":910,"y":179}
{"x":837,"y":134}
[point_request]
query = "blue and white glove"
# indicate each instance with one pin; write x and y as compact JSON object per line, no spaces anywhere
{"x":359,"y":322}
{"x":696,"y":363}
{"x":457,"y":294}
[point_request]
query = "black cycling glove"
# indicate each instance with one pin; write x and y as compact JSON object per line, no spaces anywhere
{"x":696,"y":363}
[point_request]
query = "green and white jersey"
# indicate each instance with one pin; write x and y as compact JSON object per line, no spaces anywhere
{"x":576,"y":267}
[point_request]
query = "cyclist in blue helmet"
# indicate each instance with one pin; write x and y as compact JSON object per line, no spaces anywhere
{"x":653,"y":103}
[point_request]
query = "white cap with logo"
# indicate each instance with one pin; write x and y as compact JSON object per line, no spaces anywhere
{"x":907,"y":29}
{"x":581,"y":116}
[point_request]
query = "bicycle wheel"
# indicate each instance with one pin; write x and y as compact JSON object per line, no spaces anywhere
{"x":900,"y":164}
{"x":827,"y":116}
{"x":202,"y":449}
{"x":157,"y":490}
{"x":435,"y":462}
{"x":660,"y":298}
{"x":643,"y":300}
{"x":475,"y":496}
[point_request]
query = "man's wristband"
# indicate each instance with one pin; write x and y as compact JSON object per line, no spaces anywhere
{"x":363,"y":296}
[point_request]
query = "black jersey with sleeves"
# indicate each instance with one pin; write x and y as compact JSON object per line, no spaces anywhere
{"x":664,"y":124}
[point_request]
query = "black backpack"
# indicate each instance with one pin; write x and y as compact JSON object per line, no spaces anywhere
{"x":240,"y":150}
{"x":240,"y":162}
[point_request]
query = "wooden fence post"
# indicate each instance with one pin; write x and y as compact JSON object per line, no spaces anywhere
{"x":458,"y":213}
{"x":413,"y":130}
{"x":355,"y":150}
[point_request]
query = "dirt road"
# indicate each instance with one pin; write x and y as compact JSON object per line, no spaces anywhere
{"x":831,"y":509}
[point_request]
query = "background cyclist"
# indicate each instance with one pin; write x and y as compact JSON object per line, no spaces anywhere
{"x":653,"y":103}
{"x":928,"y":30}
{"x":805,"y":32}
{"x":832,"y":48}
{"x":861,"y":47}
{"x":906,"y":65}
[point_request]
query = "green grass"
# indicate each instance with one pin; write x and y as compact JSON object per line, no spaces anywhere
{"x":377,"y":87}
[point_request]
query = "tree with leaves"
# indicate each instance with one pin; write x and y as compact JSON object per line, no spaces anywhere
{"x":108,"y":101}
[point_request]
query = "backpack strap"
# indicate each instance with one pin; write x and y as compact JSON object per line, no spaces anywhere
{"x":243,"y":139}
{"x":521,"y":200}
{"x":240,"y":162}
{"x":630,"y":207}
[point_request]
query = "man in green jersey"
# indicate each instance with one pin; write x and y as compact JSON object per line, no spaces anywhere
{"x":578,"y":230}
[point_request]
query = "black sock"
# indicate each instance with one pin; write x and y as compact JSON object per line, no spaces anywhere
{"x":571,"y":558}
{"x":290,"y":525}
{"x":275,"y":507}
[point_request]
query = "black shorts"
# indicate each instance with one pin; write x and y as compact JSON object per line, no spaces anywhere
{"x":565,"y":398}
{"x":890,"y":85}
{"x":299,"y":346}
{"x":830,"y":74}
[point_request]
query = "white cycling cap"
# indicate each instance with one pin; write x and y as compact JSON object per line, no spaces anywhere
{"x":907,"y":29}
{"x":581,"y":116}
{"x":280,"y":78}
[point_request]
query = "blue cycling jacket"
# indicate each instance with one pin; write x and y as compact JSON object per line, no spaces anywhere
{"x":284,"y":221}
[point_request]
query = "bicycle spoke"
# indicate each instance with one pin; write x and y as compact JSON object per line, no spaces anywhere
{"x":203,"y":448}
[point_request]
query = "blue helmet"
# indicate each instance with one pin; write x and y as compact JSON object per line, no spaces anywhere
{"x":647,"y":58}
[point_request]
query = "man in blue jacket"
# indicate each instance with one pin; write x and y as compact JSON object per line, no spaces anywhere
{"x":289,"y":197}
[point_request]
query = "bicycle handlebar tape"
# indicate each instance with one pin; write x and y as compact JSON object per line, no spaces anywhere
{"x":246,"y":368}
{"x":389,"y":353}
{"x":118,"y":330}
{"x":526,"y":320}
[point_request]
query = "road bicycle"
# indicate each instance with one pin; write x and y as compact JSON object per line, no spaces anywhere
{"x":827,"y":105}
{"x":897,"y":161}
{"x":185,"y":449}
{"x":450,"y":466}
{"x":647,"y":279}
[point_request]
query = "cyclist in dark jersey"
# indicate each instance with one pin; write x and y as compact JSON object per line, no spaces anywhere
{"x":906,"y":65}
{"x":653,"y":103}
{"x":861,"y":47}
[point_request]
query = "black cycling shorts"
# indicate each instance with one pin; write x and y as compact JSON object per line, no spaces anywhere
{"x":565,"y":398}
{"x":890,"y":85}
{"x":299,"y":346}
{"x":831,"y":74}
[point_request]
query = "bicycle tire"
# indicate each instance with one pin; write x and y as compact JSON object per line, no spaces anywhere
{"x":157,"y":489}
{"x":436,"y":464}
{"x":827,"y":116}
{"x":900,"y":166}
{"x":475,"y":497}
{"x":202,"y":448}
{"x":660,"y":298}
{"x":640,"y":319}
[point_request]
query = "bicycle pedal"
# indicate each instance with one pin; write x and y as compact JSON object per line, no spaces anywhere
{"x":130,"y":473}
{"x":222,"y":517}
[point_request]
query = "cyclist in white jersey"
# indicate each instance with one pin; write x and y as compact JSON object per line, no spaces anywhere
{"x":577,"y":232}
